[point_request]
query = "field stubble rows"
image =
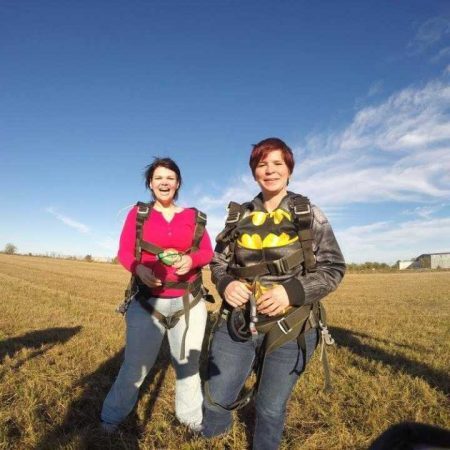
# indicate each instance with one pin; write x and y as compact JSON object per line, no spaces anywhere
{"x":61,"y":347}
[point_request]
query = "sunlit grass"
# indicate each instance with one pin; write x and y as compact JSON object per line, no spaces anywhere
{"x":61,"y":347}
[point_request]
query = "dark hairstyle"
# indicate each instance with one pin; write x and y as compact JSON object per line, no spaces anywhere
{"x":168,"y":163}
{"x":262,"y":148}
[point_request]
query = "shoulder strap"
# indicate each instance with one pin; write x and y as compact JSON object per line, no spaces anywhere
{"x":301,"y":210}
{"x":236,"y":213}
{"x":200,"y":225}
{"x":143,"y":211}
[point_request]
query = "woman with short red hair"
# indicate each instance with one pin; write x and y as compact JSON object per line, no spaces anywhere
{"x":276,"y":258}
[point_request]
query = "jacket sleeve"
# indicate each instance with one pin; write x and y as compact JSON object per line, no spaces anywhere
{"x":330,"y":266}
{"x":126,"y":253}
{"x":204,"y":254}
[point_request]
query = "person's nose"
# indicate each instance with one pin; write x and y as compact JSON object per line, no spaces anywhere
{"x":269,"y":169}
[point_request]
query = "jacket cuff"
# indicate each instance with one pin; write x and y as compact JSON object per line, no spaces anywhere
{"x":223,"y":283}
{"x":295,"y":292}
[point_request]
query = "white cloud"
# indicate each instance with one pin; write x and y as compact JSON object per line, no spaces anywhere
{"x":375,"y":88}
{"x":443,"y":53}
{"x":388,"y":242}
{"x":69,"y":221}
{"x":108,"y":243}
{"x":411,"y":118}
{"x":398,"y":150}
{"x":429,"y":33}
{"x":426,"y":212}
{"x":241,"y":189}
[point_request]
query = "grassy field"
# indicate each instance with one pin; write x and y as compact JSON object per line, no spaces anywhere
{"x":61,"y":345}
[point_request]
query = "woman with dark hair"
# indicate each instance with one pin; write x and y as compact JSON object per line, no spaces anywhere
{"x":276,"y":258}
{"x":164,"y":246}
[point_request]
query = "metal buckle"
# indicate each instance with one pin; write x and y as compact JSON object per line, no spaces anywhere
{"x":233,"y":217}
{"x":326,"y":336}
{"x":284,"y":327}
{"x":299,"y":212}
{"x":143,"y":210}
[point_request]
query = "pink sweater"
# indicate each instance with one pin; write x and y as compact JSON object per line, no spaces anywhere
{"x":176,"y":234}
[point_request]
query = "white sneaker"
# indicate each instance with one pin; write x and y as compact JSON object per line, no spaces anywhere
{"x":195,"y":427}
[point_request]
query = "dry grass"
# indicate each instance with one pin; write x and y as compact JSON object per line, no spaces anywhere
{"x":61,"y":347}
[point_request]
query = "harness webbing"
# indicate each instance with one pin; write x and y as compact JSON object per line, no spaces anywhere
{"x":277,"y":332}
{"x":276,"y":267}
{"x":301,"y":211}
{"x":136,"y":289}
{"x":298,"y":320}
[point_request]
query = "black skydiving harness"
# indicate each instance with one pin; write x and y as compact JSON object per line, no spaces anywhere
{"x":140,"y":292}
{"x":243,"y":324}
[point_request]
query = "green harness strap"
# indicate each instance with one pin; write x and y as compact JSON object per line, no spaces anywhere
{"x":300,"y":207}
{"x":278,"y":332}
{"x":143,"y":211}
{"x":276,"y":267}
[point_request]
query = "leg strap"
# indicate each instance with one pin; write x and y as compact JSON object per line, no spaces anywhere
{"x":245,"y":397}
{"x":169,"y":322}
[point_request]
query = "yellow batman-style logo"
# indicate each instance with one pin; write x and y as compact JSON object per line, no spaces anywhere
{"x":255,"y":242}
{"x":259,"y":217}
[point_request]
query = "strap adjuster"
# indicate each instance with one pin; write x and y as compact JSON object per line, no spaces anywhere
{"x":277,"y":267}
{"x":202,"y":215}
{"x":143,"y":210}
{"x":170,"y":321}
{"x":301,"y":210}
{"x":233,"y":217}
{"x":284,"y":326}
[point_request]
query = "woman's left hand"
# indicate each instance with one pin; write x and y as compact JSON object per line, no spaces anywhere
{"x":184,"y":265}
{"x":273,"y":302}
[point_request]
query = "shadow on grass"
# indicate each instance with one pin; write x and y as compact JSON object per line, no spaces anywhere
{"x":80,"y":426}
{"x":389,"y":342}
{"x":40,"y":340}
{"x":350,"y":340}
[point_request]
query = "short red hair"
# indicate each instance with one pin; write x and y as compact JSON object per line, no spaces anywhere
{"x":262,"y":148}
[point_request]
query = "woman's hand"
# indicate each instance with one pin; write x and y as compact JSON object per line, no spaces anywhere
{"x":237,"y":293}
{"x":273,"y":302}
{"x":147,"y":276}
{"x":183,"y":266}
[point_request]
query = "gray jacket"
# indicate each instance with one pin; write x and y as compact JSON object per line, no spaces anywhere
{"x":302,"y":287}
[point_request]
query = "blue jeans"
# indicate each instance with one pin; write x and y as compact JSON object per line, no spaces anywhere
{"x":143,"y":341}
{"x":230,"y":363}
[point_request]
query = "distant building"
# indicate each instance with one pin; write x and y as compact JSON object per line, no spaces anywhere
{"x":402,"y":265}
{"x":433,"y":261}
{"x":102,"y":258}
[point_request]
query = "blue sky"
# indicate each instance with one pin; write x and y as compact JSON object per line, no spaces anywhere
{"x":91,"y":91}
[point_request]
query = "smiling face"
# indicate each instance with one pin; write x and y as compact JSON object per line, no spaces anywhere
{"x":164,"y":184}
{"x":272,"y":173}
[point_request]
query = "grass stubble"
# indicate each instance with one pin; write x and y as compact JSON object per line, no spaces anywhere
{"x":61,"y":346}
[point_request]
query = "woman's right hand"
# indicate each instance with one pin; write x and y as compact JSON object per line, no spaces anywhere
{"x":237,"y":294}
{"x":147,"y":276}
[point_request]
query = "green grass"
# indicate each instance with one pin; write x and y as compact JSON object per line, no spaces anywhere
{"x":61,"y":347}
